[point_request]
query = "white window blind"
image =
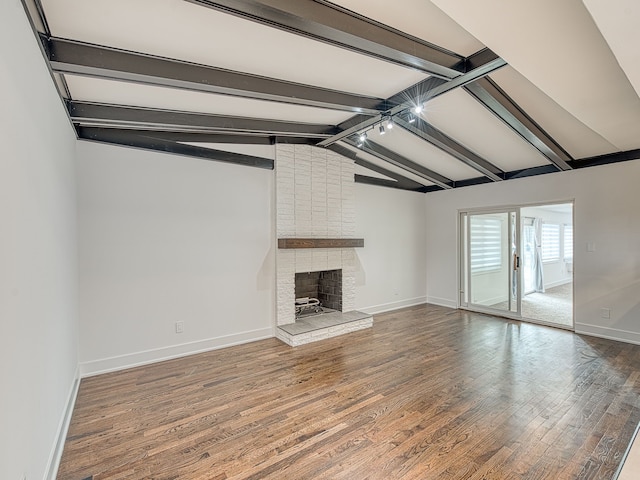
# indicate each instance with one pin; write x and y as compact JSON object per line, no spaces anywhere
{"x":567,"y":242}
{"x":550,"y":242}
{"x":486,"y":250}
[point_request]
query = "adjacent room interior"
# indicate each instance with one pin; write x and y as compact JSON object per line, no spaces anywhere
{"x":319,"y":239}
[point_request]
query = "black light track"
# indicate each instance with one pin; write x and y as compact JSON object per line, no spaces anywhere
{"x":418,"y":94}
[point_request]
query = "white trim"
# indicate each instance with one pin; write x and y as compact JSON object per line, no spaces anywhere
{"x":386,"y":307}
{"x":608,"y":333}
{"x":501,"y":208}
{"x":626,"y":456}
{"x":535,"y":321}
{"x":442,"y":302}
{"x":63,"y":427}
{"x":146,"y":357}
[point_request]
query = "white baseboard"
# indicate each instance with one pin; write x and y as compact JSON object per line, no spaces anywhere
{"x":63,"y":427}
{"x":442,"y":302}
{"x":386,"y":307}
{"x":121,"y":362}
{"x":608,"y":333}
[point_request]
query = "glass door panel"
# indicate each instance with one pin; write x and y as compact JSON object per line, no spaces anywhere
{"x":490,"y":261}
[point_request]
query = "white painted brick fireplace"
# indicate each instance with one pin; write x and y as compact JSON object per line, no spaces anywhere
{"x":315,"y":198}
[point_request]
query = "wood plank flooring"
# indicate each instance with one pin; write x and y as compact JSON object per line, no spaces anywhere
{"x":427,"y":393}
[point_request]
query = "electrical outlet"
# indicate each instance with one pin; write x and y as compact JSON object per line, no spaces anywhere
{"x":179,"y":327}
{"x":605,"y":313}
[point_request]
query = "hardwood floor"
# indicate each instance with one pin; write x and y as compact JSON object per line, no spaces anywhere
{"x":427,"y":393}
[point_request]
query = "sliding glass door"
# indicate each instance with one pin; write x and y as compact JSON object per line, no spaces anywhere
{"x":518,"y":262}
{"x":490,"y":261}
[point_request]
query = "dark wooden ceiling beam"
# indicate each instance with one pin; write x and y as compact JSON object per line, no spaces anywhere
{"x":68,"y":56}
{"x":439,"y":139}
{"x":383,"y":182}
{"x":224,"y":138}
{"x":144,"y":141}
{"x":393,"y":158}
{"x":491,"y":96}
{"x":417,"y":94}
{"x":398,"y":181}
{"x":607,"y":159}
{"x":98,"y":114}
{"x":334,"y":25}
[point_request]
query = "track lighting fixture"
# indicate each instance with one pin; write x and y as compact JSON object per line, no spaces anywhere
{"x":412,"y":118}
{"x":390,"y":123}
{"x":382,"y":132}
{"x":362,"y":137}
{"x":418,"y":109}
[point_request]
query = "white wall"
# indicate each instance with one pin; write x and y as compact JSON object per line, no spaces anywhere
{"x":162,"y":239}
{"x":391,"y":268}
{"x":38,"y":270}
{"x":605,"y":213}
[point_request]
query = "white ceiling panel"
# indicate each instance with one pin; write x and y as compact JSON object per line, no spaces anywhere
{"x":618,"y":23}
{"x":392,"y":168}
{"x":569,"y":132}
{"x":419,"y":18}
{"x":124,"y":93}
{"x":464,"y":119}
{"x":183,"y":30}
{"x":557,"y":46}
{"x":423,"y":153}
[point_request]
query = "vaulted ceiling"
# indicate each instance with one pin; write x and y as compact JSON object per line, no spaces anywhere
{"x":507,"y":89}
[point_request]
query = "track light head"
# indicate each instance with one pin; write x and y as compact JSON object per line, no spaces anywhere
{"x":382,"y":132}
{"x":412,"y":118}
{"x":362,"y":137}
{"x":390,"y":123}
{"x":418,"y":109}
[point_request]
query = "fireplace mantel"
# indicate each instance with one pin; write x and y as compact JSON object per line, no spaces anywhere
{"x":320,"y":242}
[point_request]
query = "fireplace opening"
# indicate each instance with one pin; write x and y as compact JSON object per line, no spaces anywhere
{"x":318,"y":292}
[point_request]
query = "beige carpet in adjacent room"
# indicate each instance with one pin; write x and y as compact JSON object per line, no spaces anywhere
{"x":555,"y":305}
